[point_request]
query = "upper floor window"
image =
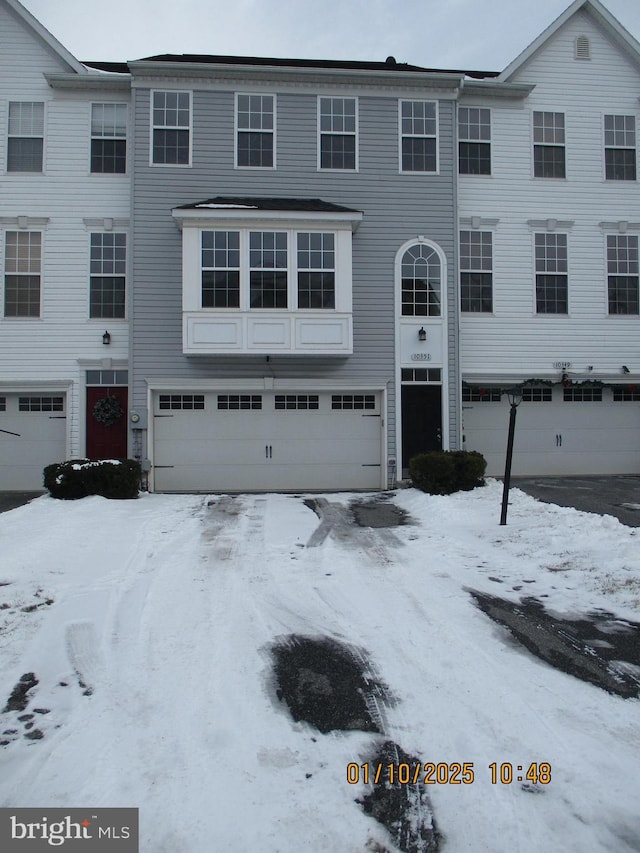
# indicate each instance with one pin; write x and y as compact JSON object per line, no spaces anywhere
{"x":419,"y":136}
{"x":622,"y":273}
{"x":22,"y":271}
{"x":268,"y":265}
{"x":109,"y":138}
{"x":476,"y":271}
{"x":548,"y":145}
{"x":474,"y":141}
{"x":338,"y":133}
{"x":25,"y":144}
{"x":108,"y":269}
{"x":256,"y":269}
{"x":551,"y":273}
{"x":171,"y":128}
{"x":620,"y":148}
{"x":316,"y":270}
{"x":220,"y":269}
{"x":255,"y":131}
{"x":421,"y":282}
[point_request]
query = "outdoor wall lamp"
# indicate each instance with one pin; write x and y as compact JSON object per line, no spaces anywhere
{"x":422,"y":335}
{"x":514,"y":395}
{"x":106,"y":339}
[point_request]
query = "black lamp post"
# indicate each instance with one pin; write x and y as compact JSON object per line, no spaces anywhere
{"x":514,"y":396}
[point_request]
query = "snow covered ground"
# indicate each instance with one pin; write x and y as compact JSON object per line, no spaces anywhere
{"x":149,"y":624}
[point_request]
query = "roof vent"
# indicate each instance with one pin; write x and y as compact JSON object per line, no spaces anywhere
{"x":391,"y":60}
{"x":583,"y":48}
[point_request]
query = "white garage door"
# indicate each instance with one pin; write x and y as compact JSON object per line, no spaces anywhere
{"x":592,"y":433}
{"x":32,"y":435}
{"x":267,"y":441}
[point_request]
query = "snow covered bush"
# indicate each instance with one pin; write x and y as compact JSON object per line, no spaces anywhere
{"x":77,"y":478}
{"x":442,"y":472}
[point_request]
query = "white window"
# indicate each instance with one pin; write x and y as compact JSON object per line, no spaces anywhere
{"x":620,"y":147}
{"x":418,"y":136}
{"x":316,"y":270}
{"x":421,"y":282}
{"x":474,"y":141}
{"x":255,"y":131}
{"x":548,"y":145}
{"x":338,"y":133}
{"x":268,"y":265}
{"x":220,"y":269}
{"x":476,"y":271}
{"x":25,"y":144}
{"x":622,"y":274}
{"x":22,"y":271}
{"x":551,"y":274}
{"x":171,"y":128}
{"x":267,"y":276}
{"x":258,"y":269}
{"x":108,"y":270}
{"x":109,"y":138}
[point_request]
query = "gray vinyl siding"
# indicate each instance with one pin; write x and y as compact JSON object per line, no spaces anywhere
{"x":396,"y":207}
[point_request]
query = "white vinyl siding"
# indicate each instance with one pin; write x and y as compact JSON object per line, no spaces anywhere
{"x":585,"y":206}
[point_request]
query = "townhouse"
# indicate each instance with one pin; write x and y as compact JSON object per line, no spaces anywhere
{"x":64,"y":215}
{"x":295,"y":301}
{"x":274,"y":274}
{"x":549,"y":215}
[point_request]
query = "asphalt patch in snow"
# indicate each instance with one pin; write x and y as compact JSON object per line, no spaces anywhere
{"x":596,"y":647}
{"x":378,"y":512}
{"x":328,"y":684}
{"x":403,"y":809}
{"x":19,"y":698}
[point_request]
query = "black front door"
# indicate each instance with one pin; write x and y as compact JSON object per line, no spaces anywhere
{"x":421,"y":420}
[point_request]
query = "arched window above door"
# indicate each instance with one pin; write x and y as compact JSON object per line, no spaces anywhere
{"x":421,"y":274}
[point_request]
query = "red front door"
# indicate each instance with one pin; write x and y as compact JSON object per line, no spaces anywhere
{"x":106,"y":442}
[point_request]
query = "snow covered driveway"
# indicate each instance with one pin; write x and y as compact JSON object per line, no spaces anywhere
{"x":149,"y":626}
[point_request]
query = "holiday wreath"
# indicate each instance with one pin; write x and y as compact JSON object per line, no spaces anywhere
{"x":107,"y":411}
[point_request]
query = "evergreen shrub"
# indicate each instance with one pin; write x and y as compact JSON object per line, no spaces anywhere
{"x":78,"y":478}
{"x":442,"y":472}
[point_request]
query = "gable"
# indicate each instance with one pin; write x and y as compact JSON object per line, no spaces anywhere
{"x":28,"y":50}
{"x":555,"y":64}
{"x":583,"y":19}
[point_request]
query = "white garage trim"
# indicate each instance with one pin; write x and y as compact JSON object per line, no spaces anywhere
{"x":314,"y":459}
{"x":272,"y":448}
{"x":34,"y":434}
{"x":556,"y":437}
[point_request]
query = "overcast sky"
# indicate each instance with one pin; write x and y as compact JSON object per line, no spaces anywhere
{"x":461,"y":34}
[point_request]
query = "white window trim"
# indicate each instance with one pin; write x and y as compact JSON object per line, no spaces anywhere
{"x":341,"y":270}
{"x":357,"y":134}
{"x":401,"y":135}
{"x":610,"y":233}
{"x":273,"y":132}
{"x":549,"y":145}
{"x":3,"y":248}
{"x":44,"y":140}
{"x":152,"y":127}
{"x":535,"y":313}
{"x":479,"y":230}
{"x":488,"y":142}
{"x":125,"y":137}
{"x":106,"y":230}
{"x":605,"y":146}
